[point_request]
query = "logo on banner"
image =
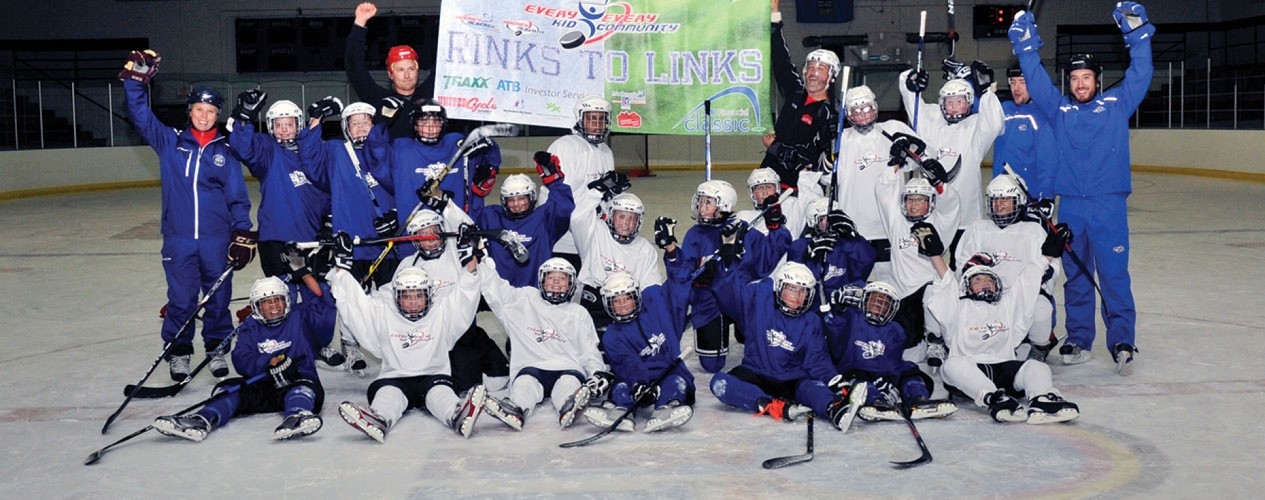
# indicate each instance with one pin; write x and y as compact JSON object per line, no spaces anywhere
{"x":628,"y":119}
{"x":484,"y":22}
{"x":520,"y":28}
{"x":745,"y":116}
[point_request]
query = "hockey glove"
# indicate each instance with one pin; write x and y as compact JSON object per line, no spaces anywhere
{"x":387,"y":225}
{"x":599,"y":384}
{"x":1042,"y":209}
{"x":327,"y":107}
{"x":390,"y":105}
{"x":953,"y":69}
{"x":644,"y":394}
{"x":848,"y":296}
{"x":141,"y":66}
{"x":664,"y":232}
{"x":470,"y":247}
{"x":1023,"y":33}
{"x":484,"y":180}
{"x":611,"y":184}
{"x":283,"y":370}
{"x":1129,"y":16}
{"x":343,"y":251}
{"x":917,"y":81}
{"x":936,"y":350}
{"x":1056,"y":240}
{"x":242,"y":249}
{"x":929,"y":243}
{"x":731,"y":236}
{"x":436,"y":202}
{"x":773,"y":217}
{"x":981,"y":76}
{"x":820,"y":245}
{"x":549,"y":167}
{"x":248,"y":105}
{"x":936,"y":174}
{"x":841,"y":225}
{"x":903,"y":145}
{"x":840,"y":385}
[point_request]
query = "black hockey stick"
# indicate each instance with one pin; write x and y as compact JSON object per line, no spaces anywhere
{"x":174,"y":389}
{"x":633,"y":407}
{"x":503,"y":236}
{"x":925,"y":458}
{"x":96,"y":455}
{"x":779,"y":462}
{"x":834,"y":188}
{"x":167,"y":347}
{"x":951,"y":173}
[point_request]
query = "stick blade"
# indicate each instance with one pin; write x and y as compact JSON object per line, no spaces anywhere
{"x":153,"y":392}
{"x":924,"y":459}
{"x":780,"y":462}
{"x":92,"y":458}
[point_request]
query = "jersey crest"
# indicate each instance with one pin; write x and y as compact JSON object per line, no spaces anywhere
{"x":542,"y":335}
{"x":990,"y":330}
{"x":411,"y":339}
{"x":654,"y":345}
{"x":871,"y":349}
{"x":272,"y":345}
{"x":778,"y":339}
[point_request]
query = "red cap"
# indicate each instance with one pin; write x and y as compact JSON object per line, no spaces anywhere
{"x":400,"y":53}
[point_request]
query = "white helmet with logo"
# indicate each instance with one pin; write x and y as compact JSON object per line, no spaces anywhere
{"x":556,"y":265}
{"x":353,"y":109}
{"x":722,"y":193}
{"x":518,"y":185}
{"x":796,"y":274}
{"x":879,"y":302}
{"x":760,"y":177}
{"x":263,"y":288}
{"x":411,"y":279}
{"x":593,"y":104}
{"x":423,"y":219}
{"x":824,"y":56}
{"x":625,"y":202}
{"x":918,"y":186}
{"x":957,"y":88}
{"x":283,"y":109}
{"x":619,"y":283}
{"x":1002,"y":187}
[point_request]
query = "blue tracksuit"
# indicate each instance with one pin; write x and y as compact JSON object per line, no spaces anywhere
{"x":1092,"y":179}
{"x":204,"y":199}
{"x":640,"y":350}
{"x":538,"y":231}
{"x":352,"y":191}
{"x":1029,"y":146}
{"x":292,"y":206}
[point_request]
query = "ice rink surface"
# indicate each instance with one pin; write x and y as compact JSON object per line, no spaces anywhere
{"x":82,"y":285}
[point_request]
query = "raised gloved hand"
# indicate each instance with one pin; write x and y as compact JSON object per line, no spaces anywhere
{"x":327,"y":107}
{"x":848,"y":296}
{"x":981,"y":76}
{"x":470,"y":246}
{"x":390,"y":105}
{"x":248,"y":105}
{"x":820,"y":245}
{"x":773,"y":216}
{"x":929,"y":243}
{"x":599,"y":384}
{"x":731,"y":236}
{"x":1023,"y":33}
{"x":1055,"y":240}
{"x":936,"y":174}
{"x":645,"y":393}
{"x":436,"y":202}
{"x":611,"y":184}
{"x":953,"y":69}
{"x":388,"y":224}
{"x":484,"y":180}
{"x":841,"y":225}
{"x":343,"y":247}
{"x":664,"y":232}
{"x":917,"y":81}
{"x":284,"y":371}
{"x":1129,"y":16}
{"x":241,"y":251}
{"x":903,"y":145}
{"x":549,"y":167}
{"x":141,"y":66}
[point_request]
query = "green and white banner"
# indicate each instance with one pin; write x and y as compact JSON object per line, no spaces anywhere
{"x":657,"y":61}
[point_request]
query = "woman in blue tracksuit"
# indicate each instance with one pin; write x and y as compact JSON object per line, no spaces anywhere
{"x":1092,"y":177}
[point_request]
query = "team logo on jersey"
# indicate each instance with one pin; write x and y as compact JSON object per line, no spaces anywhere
{"x":411,"y":339}
{"x":655,"y":344}
{"x":833,"y":271}
{"x":869,"y":159}
{"x":612,"y":265}
{"x":1118,"y":249}
{"x":431,"y":171}
{"x":218,"y":160}
{"x":1004,"y":256}
{"x":517,"y":236}
{"x":871,"y":349}
{"x":543,"y":335}
{"x":990,"y":330}
{"x":778,"y":339}
{"x":272,"y":345}
{"x":908,"y":242}
{"x":948,"y":155}
{"x":298,"y":179}
{"x":439,"y":284}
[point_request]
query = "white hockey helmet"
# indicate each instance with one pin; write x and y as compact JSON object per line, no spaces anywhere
{"x":981,"y":272}
{"x":264,"y":288}
{"x":797,"y":275}
{"x":617,"y":284}
{"x":518,"y":185}
{"x":1000,"y":188}
{"x":626,"y":202}
{"x":760,"y":177}
{"x":593,"y":104}
{"x":556,"y":265}
{"x":412,"y":283}
{"x":353,"y":109}
{"x":815,"y":212}
{"x":824,"y":56}
{"x":956,"y":87}
{"x":861,"y":100}
{"x":918,"y":186}
{"x":720,"y":192}
{"x":879,"y":302}
{"x":424,"y":218}
{"x":283,"y":109}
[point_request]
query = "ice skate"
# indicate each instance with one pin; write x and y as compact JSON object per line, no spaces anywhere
{"x":331,"y":357}
{"x":364,"y":420}
{"x":1073,"y":354}
{"x":780,"y":409}
{"x":1050,"y":408}
{"x":933,"y":408}
{"x":192,"y":427}
{"x":219,"y":366}
{"x":1004,"y":408}
{"x":844,"y":410}
{"x":605,"y":416}
{"x":354,"y":361}
{"x":179,"y":366}
{"x":574,"y":405}
{"x":667,"y":417}
{"x":505,"y":411}
{"x":1124,"y":359}
{"x":298,"y":425}
{"x":468,"y":411}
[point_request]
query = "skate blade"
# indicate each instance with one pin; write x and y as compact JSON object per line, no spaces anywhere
{"x":679,"y":416}
{"x":352,"y":416}
{"x":1040,"y":417}
{"x":307,"y":427}
{"x":1124,"y":366}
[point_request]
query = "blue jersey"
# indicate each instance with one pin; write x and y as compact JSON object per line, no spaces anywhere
{"x":203,"y":190}
{"x":642,"y":349}
{"x":1093,"y":137}
{"x":856,"y":345}
{"x":299,"y":336}
{"x":538,"y":231}
{"x":412,"y":163}
{"x":292,"y":206}
{"x":356,"y":196}
{"x":1029,"y":146}
{"x":850,"y":261}
{"x":700,"y":242}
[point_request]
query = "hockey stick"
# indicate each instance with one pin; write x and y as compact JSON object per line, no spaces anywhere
{"x":779,"y":462}
{"x":174,"y":389}
{"x":951,"y":173}
{"x":633,"y":407}
{"x":169,"y":345}
{"x":707,"y":137}
{"x":503,"y":236}
{"x":922,"y":44}
{"x":716,"y":254}
{"x":894,"y":400}
{"x":96,"y":455}
{"x":1067,"y":247}
{"x":834,"y":185}
{"x":953,"y":39}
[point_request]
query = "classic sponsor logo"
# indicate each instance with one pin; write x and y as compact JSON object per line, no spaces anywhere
{"x":655,"y":342}
{"x":777,"y":338}
{"x":411,"y":339}
{"x":545,"y":334}
{"x":990,"y":330}
{"x":871,"y":349}
{"x":272,"y":345}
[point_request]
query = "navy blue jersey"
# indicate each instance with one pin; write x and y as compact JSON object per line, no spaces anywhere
{"x":538,"y":231}
{"x":292,"y":206}
{"x":851,"y":260}
{"x":299,"y":336}
{"x":857,"y":345}
{"x":356,"y":196}
{"x":642,"y":349}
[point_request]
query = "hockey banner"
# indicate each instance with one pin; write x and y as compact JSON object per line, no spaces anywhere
{"x":657,"y":61}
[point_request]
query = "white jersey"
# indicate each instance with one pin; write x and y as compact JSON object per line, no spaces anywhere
{"x":582,"y":162}
{"x":406,"y":348}
{"x":544,"y":335}
{"x":601,"y":255}
{"x":968,"y":139}
{"x":444,"y":270}
{"x":983,"y":332}
{"x":862,"y":159}
{"x":795,"y":208}
{"x":910,"y":269}
{"x":1012,"y":248}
